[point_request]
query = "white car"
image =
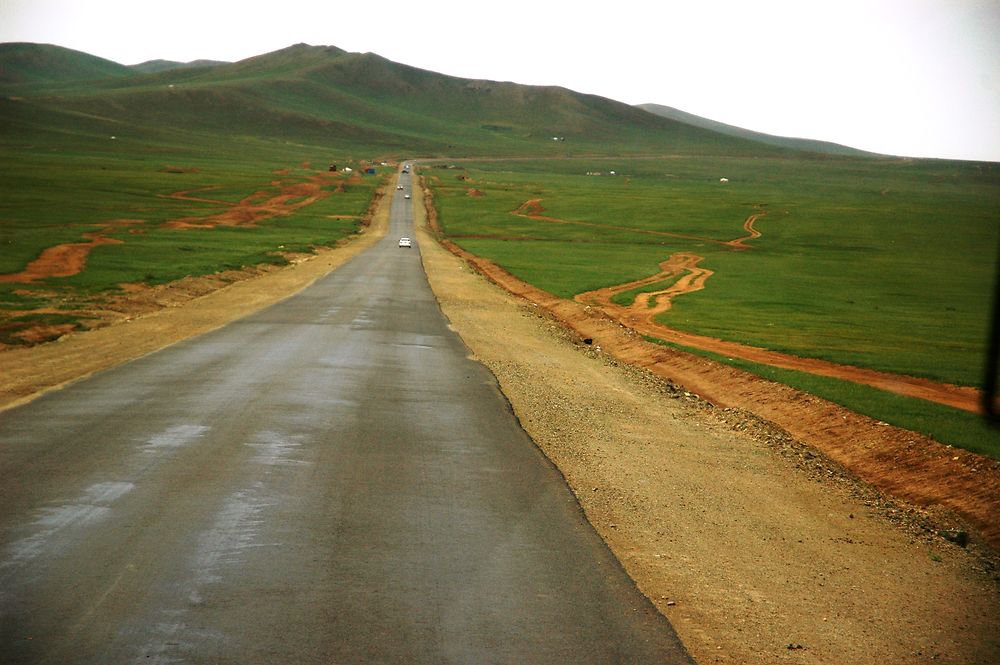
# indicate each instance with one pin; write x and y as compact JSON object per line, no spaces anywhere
{"x":406,"y":196}
{"x":399,"y":187}
{"x":405,"y":242}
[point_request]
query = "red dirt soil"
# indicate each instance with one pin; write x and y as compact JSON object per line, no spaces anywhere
{"x":905,"y":464}
{"x":642,"y":319}
{"x":60,"y":261}
{"x":70,"y":259}
{"x":256,"y":207}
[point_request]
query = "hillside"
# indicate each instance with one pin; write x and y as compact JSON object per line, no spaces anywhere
{"x":44,"y":63}
{"x":806,"y":145}
{"x":153,"y":66}
{"x":317,"y":95}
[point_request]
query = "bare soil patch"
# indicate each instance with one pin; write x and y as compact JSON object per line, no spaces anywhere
{"x":139,"y":299}
{"x":63,"y":260}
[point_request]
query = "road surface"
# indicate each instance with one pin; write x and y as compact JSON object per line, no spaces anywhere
{"x":329,"y":481}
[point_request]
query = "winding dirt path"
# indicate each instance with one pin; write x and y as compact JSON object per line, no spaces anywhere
{"x":641,"y":317}
{"x":257,"y":207}
{"x":651,"y":303}
{"x":752,"y":232}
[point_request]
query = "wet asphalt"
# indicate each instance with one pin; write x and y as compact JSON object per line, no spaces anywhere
{"x":330,"y":480}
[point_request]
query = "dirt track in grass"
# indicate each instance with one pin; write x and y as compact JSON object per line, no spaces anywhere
{"x":69,"y":259}
{"x":641,"y":317}
{"x":257,"y":207}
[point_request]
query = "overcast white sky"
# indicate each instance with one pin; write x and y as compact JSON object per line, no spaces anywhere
{"x":905,"y":77}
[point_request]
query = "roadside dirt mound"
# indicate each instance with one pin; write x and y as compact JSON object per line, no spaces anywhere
{"x":902,"y":463}
{"x":475,"y":192}
{"x":530,"y":208}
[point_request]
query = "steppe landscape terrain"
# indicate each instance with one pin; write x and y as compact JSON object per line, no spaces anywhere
{"x":758,"y":367}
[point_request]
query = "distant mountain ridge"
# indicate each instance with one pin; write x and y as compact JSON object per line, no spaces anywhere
{"x":153,"y":66}
{"x":312,"y":94}
{"x":24,"y":62}
{"x":808,"y":145}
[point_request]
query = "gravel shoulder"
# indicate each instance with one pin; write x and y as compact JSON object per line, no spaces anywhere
{"x":757,"y":548}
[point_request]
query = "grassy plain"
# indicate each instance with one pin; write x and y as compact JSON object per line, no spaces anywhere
{"x":881,"y":263}
{"x":65,"y":195}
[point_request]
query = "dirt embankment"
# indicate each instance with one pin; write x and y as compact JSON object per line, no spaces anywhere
{"x":759,"y":549}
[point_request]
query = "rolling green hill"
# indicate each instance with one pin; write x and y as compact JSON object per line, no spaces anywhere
{"x":153,"y":66}
{"x":317,"y":94}
{"x":22,"y":62}
{"x":806,"y":145}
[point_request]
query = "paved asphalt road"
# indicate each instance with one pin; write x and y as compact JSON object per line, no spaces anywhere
{"x":328,"y":481}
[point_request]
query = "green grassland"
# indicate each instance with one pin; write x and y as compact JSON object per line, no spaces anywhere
{"x":882,"y":263}
{"x":55,"y":196}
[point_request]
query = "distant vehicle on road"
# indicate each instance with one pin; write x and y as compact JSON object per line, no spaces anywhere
{"x":405,"y":242}
{"x":406,"y":196}
{"x":399,"y":187}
